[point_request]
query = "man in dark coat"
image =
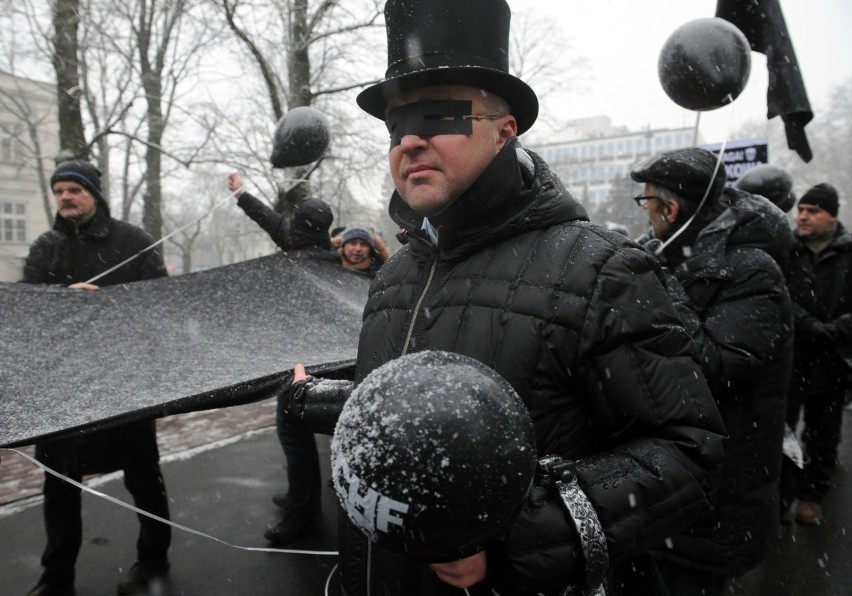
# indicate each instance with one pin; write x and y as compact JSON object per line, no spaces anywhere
{"x":502,"y":265}
{"x":86,"y":241}
{"x":304,"y":236}
{"x":820,"y":280}
{"x":724,"y":249}
{"x":361,"y":251}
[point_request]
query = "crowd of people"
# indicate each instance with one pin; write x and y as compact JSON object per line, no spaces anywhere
{"x":661,"y":375}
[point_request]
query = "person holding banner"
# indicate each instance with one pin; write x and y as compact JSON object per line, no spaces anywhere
{"x":86,"y":241}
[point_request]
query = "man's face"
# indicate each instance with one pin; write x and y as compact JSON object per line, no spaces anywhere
{"x":658,"y":214}
{"x":356,"y":251}
{"x":814,"y":222}
{"x":74,"y":202}
{"x":432,"y":171}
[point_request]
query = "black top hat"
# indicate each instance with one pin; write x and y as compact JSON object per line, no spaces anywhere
{"x":450,"y":42}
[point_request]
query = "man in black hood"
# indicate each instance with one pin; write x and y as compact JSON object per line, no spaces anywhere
{"x":86,"y":241}
{"x":502,"y":265}
{"x":304,"y":236}
{"x":724,"y":250}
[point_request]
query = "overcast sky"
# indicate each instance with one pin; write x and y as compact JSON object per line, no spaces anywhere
{"x":622,"y":40}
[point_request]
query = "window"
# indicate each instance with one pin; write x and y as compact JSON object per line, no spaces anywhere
{"x":13,"y":222}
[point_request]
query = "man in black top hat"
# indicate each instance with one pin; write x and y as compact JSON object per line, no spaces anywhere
{"x":501,"y":264}
{"x":84,"y":242}
{"x":820,"y":281}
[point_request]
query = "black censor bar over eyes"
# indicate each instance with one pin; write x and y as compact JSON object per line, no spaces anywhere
{"x":429,"y":118}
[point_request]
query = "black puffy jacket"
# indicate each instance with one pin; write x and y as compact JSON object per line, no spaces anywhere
{"x":738,"y":311}
{"x":69,"y":254}
{"x":577,"y":319}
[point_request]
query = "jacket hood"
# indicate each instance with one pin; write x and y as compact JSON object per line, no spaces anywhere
{"x":750,"y":221}
{"x":516,"y":193}
{"x":312,"y":218}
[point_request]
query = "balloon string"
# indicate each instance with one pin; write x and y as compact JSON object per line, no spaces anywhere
{"x":719,"y":161}
{"x":166,"y":521}
{"x":163,"y":239}
{"x":205,"y":214}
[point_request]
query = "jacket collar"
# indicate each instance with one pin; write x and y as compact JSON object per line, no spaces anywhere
{"x":97,"y":227}
{"x":516,"y":193}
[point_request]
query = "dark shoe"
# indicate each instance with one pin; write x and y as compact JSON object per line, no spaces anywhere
{"x":42,"y":589}
{"x":809,"y":513}
{"x":293,"y":527}
{"x":141,"y":576}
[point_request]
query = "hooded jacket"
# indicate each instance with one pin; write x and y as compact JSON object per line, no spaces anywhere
{"x":733,"y":300}
{"x":304,"y":236}
{"x":577,"y":319}
{"x":70,"y":254}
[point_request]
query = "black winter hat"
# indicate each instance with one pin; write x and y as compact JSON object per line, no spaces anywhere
{"x":685,"y":172}
{"x":81,"y":172}
{"x":823,"y":196}
{"x":450,"y":42}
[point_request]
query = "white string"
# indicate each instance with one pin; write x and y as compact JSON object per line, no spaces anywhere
{"x":166,"y":521}
{"x":163,"y":239}
{"x":721,"y":156}
{"x":328,"y":580}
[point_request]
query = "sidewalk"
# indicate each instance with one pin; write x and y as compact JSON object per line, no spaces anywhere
{"x":20,"y":479}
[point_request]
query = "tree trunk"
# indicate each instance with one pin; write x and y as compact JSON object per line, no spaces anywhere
{"x":72,"y":137}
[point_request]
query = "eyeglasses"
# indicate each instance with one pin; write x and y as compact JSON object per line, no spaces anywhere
{"x":642,"y":200}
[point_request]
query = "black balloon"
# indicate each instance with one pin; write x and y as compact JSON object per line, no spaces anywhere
{"x":771,"y":182}
{"x":301,"y":137}
{"x":705,"y":64}
{"x":433,"y":455}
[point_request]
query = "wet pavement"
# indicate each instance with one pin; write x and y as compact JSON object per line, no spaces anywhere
{"x":221,"y":469}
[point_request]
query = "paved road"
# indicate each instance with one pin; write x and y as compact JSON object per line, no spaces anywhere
{"x":224,"y":490}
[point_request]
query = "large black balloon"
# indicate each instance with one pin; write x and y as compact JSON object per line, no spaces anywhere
{"x":301,"y":137}
{"x":433,"y":455}
{"x":771,"y":182}
{"x":705,"y":64}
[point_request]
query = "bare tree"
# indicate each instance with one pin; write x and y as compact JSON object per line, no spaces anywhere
{"x":66,"y":22}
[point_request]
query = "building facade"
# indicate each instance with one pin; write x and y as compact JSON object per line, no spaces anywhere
{"x":29,"y":137}
{"x":595,"y":154}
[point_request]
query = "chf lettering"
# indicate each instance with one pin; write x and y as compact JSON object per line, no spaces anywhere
{"x":369,"y":509}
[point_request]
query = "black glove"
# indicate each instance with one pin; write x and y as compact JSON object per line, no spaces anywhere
{"x":840,"y":329}
{"x":541,"y":550}
{"x":314,"y":403}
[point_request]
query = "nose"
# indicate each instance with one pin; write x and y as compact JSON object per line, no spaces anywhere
{"x":412,"y":142}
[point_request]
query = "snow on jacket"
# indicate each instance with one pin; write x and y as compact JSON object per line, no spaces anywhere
{"x":304,"y":236}
{"x":821,"y":289}
{"x":69,"y":254}
{"x":738,"y":311}
{"x":577,"y":319}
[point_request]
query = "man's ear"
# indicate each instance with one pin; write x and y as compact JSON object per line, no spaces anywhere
{"x":671,"y":210}
{"x":508,"y":129}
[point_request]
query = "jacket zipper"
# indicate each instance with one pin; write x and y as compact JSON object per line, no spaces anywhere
{"x":404,"y":351}
{"x":419,"y":304}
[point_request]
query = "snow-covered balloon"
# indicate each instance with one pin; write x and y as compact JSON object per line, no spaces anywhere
{"x":301,"y":137}
{"x":705,"y":64}
{"x":433,"y":455}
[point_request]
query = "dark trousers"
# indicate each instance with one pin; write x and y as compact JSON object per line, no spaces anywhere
{"x":823,"y":417}
{"x":303,"y":472}
{"x":648,"y":576}
{"x":131,"y":448}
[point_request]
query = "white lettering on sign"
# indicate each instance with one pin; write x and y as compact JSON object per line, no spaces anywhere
{"x":368,"y":508}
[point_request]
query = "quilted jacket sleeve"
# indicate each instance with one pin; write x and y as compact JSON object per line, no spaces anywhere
{"x":649,"y":399}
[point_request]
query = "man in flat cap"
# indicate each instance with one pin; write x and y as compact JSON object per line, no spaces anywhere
{"x":820,"y":280}
{"x":501,"y":264}
{"x":724,"y":250}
